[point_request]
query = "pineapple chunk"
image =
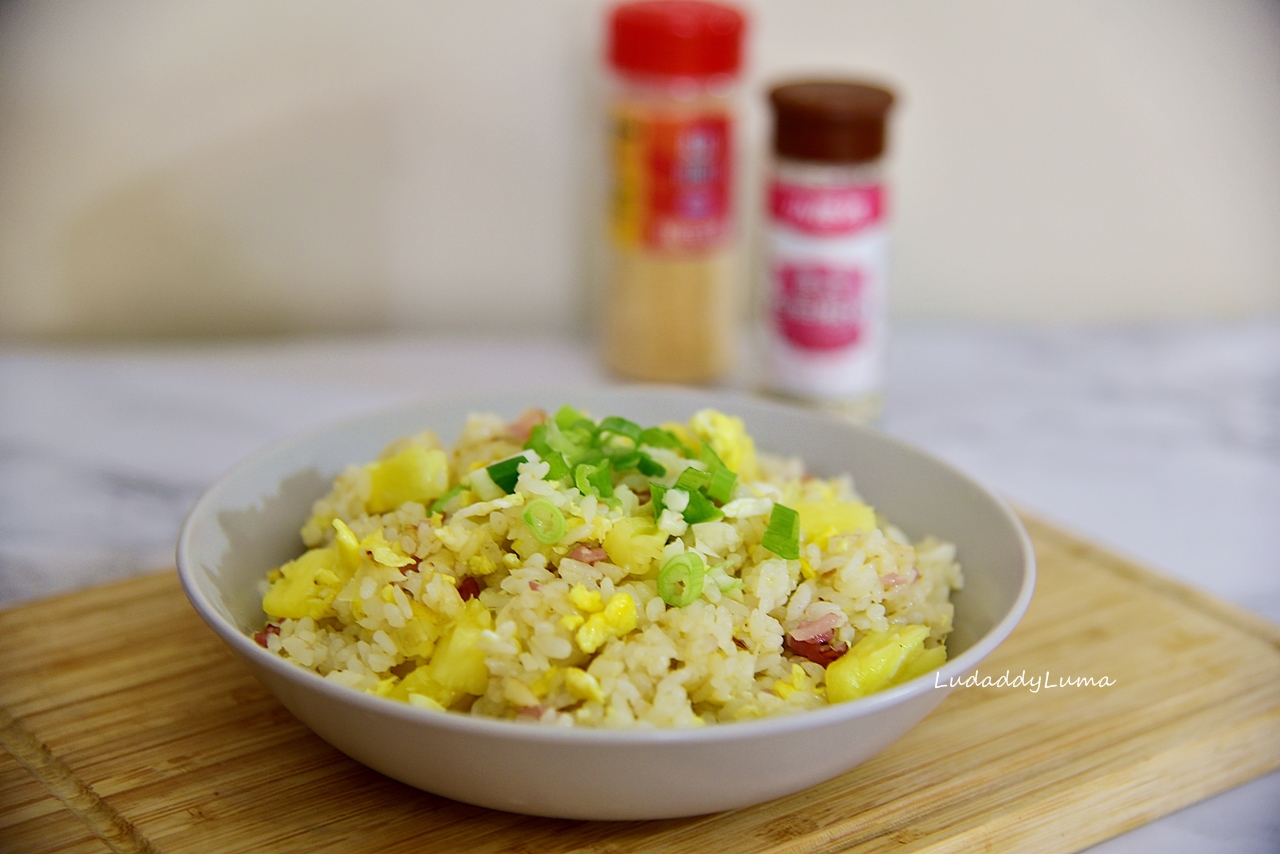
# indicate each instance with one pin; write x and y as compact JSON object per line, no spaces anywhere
{"x":921,"y":663}
{"x":458,"y":662}
{"x":873,"y":662}
{"x":820,"y":520}
{"x":634,"y":543}
{"x":457,"y":667}
{"x":306,"y":586}
{"x":415,"y":474}
{"x":417,"y":637}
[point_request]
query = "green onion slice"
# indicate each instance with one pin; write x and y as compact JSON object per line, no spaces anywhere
{"x":723,"y":482}
{"x":710,"y":457}
{"x":680,"y":579}
{"x":627,"y":461}
{"x":657,"y":492}
{"x":594,"y":480}
{"x":568,"y":418}
{"x":692,"y":479}
{"x":545,"y":521}
{"x":555,"y":459}
{"x":506,"y":472}
{"x":649,"y":467}
{"x":616,"y":426}
{"x":782,"y":536}
{"x":700,"y":509}
{"x":656,"y":437}
{"x":437,"y":506}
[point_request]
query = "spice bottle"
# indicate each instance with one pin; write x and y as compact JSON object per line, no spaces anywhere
{"x":827,"y":243}
{"x":671,"y":296}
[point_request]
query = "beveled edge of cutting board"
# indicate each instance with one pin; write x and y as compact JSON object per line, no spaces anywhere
{"x":1135,"y":570}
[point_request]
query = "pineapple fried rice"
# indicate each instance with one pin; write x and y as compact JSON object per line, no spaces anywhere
{"x":570,"y":572}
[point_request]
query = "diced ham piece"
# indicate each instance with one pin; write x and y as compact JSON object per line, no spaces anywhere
{"x":588,"y":554}
{"x":528,"y":419}
{"x":533,"y":585}
{"x":260,"y":638}
{"x":469,"y":588}
{"x":893,"y":579}
{"x":531,"y":712}
{"x":812,"y":640}
{"x":818,"y":651}
{"x":815,"y":629}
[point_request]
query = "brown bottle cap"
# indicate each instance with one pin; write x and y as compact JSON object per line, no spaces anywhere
{"x":830,"y":121}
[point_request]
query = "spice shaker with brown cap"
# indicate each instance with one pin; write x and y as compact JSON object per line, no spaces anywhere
{"x":828,"y":245}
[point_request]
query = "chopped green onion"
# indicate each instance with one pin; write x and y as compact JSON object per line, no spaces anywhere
{"x":437,"y":506}
{"x":545,"y":521}
{"x":594,"y":480}
{"x":506,"y":472}
{"x":723,"y":482}
{"x":657,"y":492}
{"x":692,"y":479}
{"x":483,"y":486}
{"x":680,"y":579}
{"x":568,"y":418}
{"x":710,"y":457}
{"x":627,"y":461}
{"x":621,"y":427}
{"x":782,"y":537}
{"x":700,"y":509}
{"x":538,"y":442}
{"x":656,"y":437}
{"x":722,"y":579}
{"x":574,"y":443}
{"x":649,"y":467}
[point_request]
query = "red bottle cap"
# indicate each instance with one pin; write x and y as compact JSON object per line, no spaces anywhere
{"x":678,"y":38}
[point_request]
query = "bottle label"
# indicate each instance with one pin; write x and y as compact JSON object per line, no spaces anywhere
{"x":819,"y":306}
{"x":826,"y":211}
{"x":672,"y":179}
{"x":828,"y":266}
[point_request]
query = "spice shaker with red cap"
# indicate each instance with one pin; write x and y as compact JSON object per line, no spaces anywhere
{"x":670,"y":304}
{"x":827,"y":243}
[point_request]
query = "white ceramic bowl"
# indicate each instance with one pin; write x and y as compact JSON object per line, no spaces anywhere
{"x":248,"y":522}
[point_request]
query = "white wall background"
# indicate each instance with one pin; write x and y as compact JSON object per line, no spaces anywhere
{"x":234,"y":166}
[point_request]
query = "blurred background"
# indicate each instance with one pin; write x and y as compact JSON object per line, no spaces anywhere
{"x":234,"y":167}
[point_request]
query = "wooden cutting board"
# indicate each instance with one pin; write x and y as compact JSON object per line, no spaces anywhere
{"x":131,"y":723}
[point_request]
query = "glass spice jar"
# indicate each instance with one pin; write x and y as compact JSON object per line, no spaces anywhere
{"x":671,"y":296}
{"x":827,"y":244}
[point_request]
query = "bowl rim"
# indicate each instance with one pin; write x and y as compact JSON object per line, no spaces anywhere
{"x":522,"y":731}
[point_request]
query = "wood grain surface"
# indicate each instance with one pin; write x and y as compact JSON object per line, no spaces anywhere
{"x":129,"y":727}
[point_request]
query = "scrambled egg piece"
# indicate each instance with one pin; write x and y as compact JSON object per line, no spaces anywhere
{"x":586,"y":600}
{"x":728,"y":437}
{"x":582,"y":685}
{"x":617,"y":619}
{"x":800,"y":681}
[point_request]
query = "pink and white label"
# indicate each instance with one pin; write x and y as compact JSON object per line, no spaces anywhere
{"x":828,"y":264}
{"x":826,"y":211}
{"x":818,"y":306}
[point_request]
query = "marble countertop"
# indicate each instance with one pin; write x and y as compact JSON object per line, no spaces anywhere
{"x":1160,"y":442}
